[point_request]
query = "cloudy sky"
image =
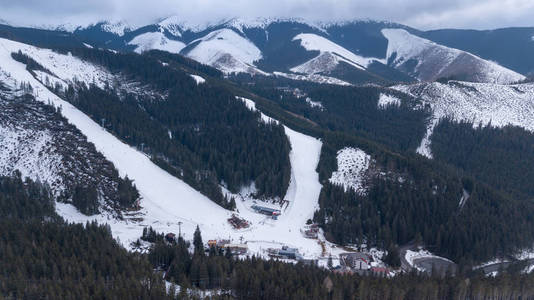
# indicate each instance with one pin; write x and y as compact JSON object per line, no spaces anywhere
{"x":423,"y":14}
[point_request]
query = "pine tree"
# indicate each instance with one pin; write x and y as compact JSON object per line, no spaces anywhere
{"x":197,"y":242}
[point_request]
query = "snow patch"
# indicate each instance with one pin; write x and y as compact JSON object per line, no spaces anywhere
{"x":118,"y":28}
{"x":252,"y":106}
{"x":172,"y":25}
{"x":331,"y":54}
{"x":227,"y":51}
{"x":386,"y":100}
{"x":321,"y":79}
{"x":65,"y":67}
{"x":198,"y":79}
{"x":352,"y":166}
{"x":314,"y":104}
{"x":156,"y":40}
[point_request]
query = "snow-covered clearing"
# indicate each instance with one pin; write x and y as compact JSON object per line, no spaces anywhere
{"x":386,"y":100}
{"x":331,"y":54}
{"x":480,"y":103}
{"x":166,"y":200}
{"x":198,"y":79}
{"x":314,"y":104}
{"x":65,"y":67}
{"x":352,"y":166}
{"x":314,"y":78}
{"x":29,"y":152}
{"x":156,"y":40}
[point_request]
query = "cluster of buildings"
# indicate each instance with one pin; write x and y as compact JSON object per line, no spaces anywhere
{"x":238,"y":223}
{"x":236,"y":249}
{"x":360,"y":263}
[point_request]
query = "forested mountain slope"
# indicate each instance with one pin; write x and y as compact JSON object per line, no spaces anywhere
{"x":37,"y":142}
{"x":403,"y":190}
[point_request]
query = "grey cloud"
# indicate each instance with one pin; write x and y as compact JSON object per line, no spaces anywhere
{"x":423,"y":14}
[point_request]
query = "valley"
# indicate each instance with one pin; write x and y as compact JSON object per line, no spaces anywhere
{"x":341,"y":154}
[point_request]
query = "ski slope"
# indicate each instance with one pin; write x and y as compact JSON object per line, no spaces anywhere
{"x":167,"y":201}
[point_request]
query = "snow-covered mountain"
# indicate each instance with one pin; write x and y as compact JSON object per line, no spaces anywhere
{"x":429,"y":61}
{"x":39,"y":146}
{"x":225,"y":50}
{"x":357,"y":52}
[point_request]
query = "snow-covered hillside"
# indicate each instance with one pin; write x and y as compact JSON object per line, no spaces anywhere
{"x":65,"y":69}
{"x":476,"y":102}
{"x":429,"y":61}
{"x":386,"y":100}
{"x":156,"y":40}
{"x":39,"y":144}
{"x":330,"y":55}
{"x":352,"y":167}
{"x":166,"y":200}
{"x":227,"y":51}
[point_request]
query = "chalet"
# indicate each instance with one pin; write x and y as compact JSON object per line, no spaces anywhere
{"x":237,"y":222}
{"x":212,"y":243}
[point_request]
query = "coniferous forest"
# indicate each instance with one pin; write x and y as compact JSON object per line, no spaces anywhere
{"x":204,"y":135}
{"x":199,"y":133}
{"x":495,"y":221}
{"x":45,"y":258}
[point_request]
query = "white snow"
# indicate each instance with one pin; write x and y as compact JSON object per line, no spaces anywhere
{"x":263,"y":22}
{"x":314,"y":104}
{"x":352,"y":165}
{"x":252,"y":106}
{"x":88,"y":46}
{"x":167,"y":200}
{"x":331,"y":54}
{"x":156,"y":40}
{"x":198,"y":79}
{"x":30,"y":153}
{"x":65,"y":67}
{"x":314,"y":78}
{"x":172,"y":25}
{"x":227,"y":51}
{"x":116,"y":27}
{"x":481,"y":103}
{"x":463,"y":199}
{"x":436,"y":61}
{"x":386,"y":100}
{"x":411,"y":256}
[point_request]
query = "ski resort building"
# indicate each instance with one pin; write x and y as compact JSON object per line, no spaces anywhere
{"x":266,"y":210}
{"x":237,"y":249}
